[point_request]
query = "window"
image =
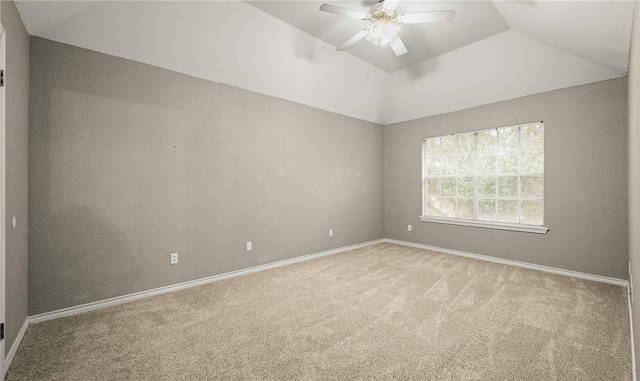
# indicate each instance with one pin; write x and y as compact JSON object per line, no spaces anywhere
{"x":488,"y":178}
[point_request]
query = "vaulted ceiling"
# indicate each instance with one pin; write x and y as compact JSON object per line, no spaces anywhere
{"x":491,"y":51}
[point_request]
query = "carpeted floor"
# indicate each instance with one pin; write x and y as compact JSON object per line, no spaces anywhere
{"x":383,"y":312}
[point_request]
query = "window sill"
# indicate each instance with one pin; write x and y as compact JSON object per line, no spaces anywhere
{"x":488,"y":225}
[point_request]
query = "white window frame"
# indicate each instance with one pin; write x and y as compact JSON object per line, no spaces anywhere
{"x":539,"y":229}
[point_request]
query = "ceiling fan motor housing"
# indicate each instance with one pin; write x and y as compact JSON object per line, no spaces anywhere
{"x":384,"y":27}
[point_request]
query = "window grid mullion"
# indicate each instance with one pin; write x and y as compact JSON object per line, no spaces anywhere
{"x":455,"y":176}
{"x":425,"y":188}
{"x":495,"y":180}
{"x":476,"y":193}
{"x":519,"y":179}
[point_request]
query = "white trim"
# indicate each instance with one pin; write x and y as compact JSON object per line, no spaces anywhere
{"x":553,"y":270}
{"x":633,"y":347}
{"x":180,"y":286}
{"x":3,"y":195}
{"x":14,"y":347}
{"x":488,"y":225}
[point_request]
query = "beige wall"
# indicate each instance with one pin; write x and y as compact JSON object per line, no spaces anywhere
{"x":129,"y":163}
{"x":585,"y":180}
{"x":17,"y":87}
{"x":634,"y":174}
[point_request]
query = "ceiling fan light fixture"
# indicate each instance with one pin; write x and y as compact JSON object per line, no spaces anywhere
{"x":385,"y":23}
{"x":382,"y":33}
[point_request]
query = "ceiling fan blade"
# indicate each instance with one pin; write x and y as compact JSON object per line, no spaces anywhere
{"x":343,"y":11}
{"x":359,"y":36}
{"x":390,"y":4}
{"x":398,"y":46}
{"x":426,"y":17}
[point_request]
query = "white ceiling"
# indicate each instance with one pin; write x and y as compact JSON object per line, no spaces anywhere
{"x":491,"y":51}
{"x":474,"y":21}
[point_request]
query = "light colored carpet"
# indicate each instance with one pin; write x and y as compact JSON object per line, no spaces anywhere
{"x":382,"y":312}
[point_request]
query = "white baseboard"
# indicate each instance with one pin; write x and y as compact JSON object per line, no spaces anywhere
{"x":180,"y":286}
{"x":14,"y":348}
{"x":554,"y":270}
{"x":633,"y":347}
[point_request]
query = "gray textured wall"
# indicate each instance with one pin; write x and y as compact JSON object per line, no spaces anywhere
{"x":17,"y":94}
{"x":634,"y":175}
{"x":585,"y":180}
{"x":129,"y":163}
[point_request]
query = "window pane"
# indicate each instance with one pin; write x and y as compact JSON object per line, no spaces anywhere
{"x":508,"y":211}
{"x":487,"y":186}
{"x":508,"y":186}
{"x":465,"y":208}
{"x":487,"y":163}
{"x":465,"y":165}
{"x":487,"y":210}
{"x":449,"y":186}
{"x":508,"y":139}
{"x":449,"y":145}
{"x":433,"y":206}
{"x":532,"y":136}
{"x":433,"y":186}
{"x":433,"y":147}
{"x":487,"y":141}
{"x":433,"y":166}
{"x":465,"y":143}
{"x":531,"y":212}
{"x":532,"y":161}
{"x":448,"y":207}
{"x":449,"y":164}
{"x":508,"y":162}
{"x":532,"y":187}
{"x":465,"y":187}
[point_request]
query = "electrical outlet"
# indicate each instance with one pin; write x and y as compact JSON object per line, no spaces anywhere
{"x":330,"y":232}
{"x":249,"y":246}
{"x":174,"y":258}
{"x":409,"y":228}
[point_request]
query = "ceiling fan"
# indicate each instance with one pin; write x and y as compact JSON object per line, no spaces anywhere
{"x":385,"y":23}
